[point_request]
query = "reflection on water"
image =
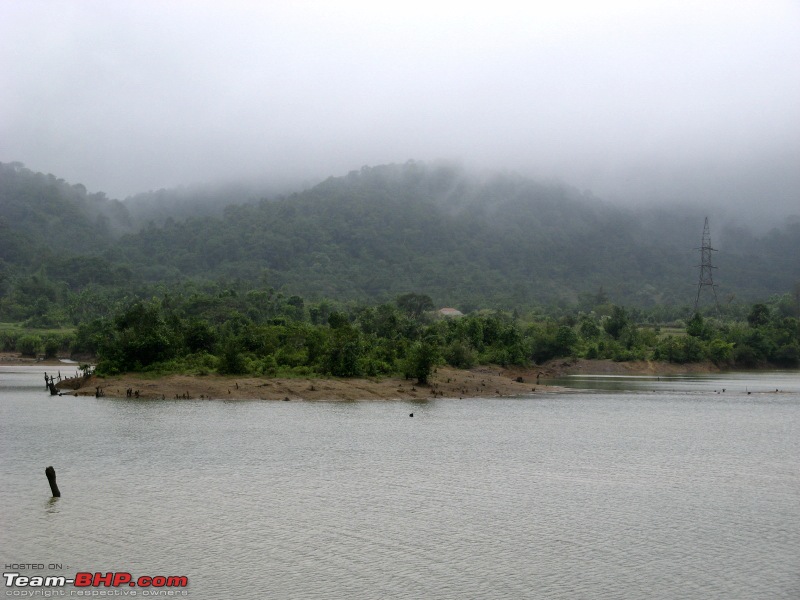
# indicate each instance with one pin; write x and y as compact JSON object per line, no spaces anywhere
{"x":614,"y":495}
{"x":762,"y":382}
{"x":51,"y":506}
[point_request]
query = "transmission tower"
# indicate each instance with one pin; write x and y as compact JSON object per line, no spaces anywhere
{"x":706,"y":268}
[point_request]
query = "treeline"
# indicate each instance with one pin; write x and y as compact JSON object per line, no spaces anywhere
{"x":265,"y":333}
{"x":86,"y":288}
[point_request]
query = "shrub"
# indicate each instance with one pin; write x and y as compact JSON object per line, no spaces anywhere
{"x":9,"y":340}
{"x":29,"y":345}
{"x":788,"y":355}
{"x":460,"y":354}
{"x":51,"y":346}
{"x":231,"y":362}
{"x":720,"y":352}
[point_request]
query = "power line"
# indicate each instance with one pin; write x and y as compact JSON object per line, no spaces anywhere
{"x":706,"y":268}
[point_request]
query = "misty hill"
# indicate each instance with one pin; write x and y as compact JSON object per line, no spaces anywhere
{"x":47,"y":221}
{"x":36,"y":207}
{"x":193,"y":201}
{"x":498,"y":241}
{"x":501,"y":241}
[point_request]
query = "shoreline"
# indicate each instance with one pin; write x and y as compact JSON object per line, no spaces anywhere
{"x":8,"y":359}
{"x":446,"y":382}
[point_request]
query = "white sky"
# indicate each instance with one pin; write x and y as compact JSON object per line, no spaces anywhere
{"x":640,"y":101}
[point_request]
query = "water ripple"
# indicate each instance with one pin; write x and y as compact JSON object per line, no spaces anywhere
{"x":579,"y":497}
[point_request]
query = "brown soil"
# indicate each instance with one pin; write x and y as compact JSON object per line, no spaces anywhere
{"x":445,"y":383}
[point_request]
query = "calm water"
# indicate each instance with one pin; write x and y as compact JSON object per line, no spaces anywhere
{"x":649,"y":494}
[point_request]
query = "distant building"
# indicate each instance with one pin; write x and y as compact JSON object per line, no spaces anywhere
{"x":450,"y":312}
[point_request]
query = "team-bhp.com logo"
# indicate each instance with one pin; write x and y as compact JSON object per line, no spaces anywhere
{"x":96,"y":580}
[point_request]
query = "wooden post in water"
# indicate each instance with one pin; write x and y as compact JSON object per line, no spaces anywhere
{"x":51,"y":479}
{"x":50,"y":384}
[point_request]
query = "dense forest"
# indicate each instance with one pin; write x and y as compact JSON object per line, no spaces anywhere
{"x":501,"y":242}
{"x":265,"y":333}
{"x":320,"y":280}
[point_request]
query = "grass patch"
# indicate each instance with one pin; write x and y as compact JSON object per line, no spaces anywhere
{"x":20,"y":328}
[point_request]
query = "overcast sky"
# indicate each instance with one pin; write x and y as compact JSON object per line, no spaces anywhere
{"x":640,"y":101}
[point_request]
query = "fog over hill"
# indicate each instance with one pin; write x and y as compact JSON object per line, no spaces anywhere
{"x":501,"y":240}
{"x":648,"y":103}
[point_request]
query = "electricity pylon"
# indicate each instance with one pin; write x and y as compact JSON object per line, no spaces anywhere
{"x":706,"y":268}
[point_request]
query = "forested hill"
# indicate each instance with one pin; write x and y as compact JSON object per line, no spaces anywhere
{"x":502,"y":241}
{"x":40,"y":212}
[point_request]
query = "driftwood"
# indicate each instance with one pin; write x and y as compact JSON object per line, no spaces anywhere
{"x":72,"y":383}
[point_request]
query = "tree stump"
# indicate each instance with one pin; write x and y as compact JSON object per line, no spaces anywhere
{"x":51,"y":479}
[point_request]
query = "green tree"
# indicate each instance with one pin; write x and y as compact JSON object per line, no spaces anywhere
{"x":696,"y":327}
{"x":422,"y":357}
{"x":232,"y":361}
{"x":617,"y":322}
{"x":588,"y":328}
{"x":199,"y":336}
{"x":338,"y":320}
{"x":141,"y":338}
{"x":343,"y":351}
{"x":414,"y":304}
{"x":52,"y":344}
{"x":759,"y":315}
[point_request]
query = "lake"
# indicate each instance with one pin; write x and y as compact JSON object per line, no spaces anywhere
{"x":644,"y":491}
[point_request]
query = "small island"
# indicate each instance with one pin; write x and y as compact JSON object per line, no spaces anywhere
{"x":445,"y":382}
{"x":489,"y":381}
